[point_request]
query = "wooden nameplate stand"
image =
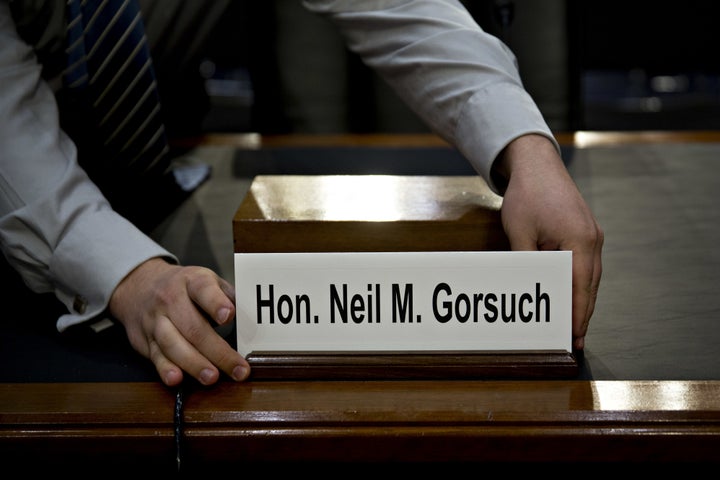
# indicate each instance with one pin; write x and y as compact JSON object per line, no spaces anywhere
{"x":371,"y":213}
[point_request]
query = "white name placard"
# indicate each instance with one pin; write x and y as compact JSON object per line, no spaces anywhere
{"x":403,"y":301}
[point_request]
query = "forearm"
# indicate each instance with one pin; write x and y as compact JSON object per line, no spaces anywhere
{"x":56,"y":228}
{"x":463,"y":82}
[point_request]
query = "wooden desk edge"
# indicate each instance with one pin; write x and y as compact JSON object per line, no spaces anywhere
{"x":489,"y":365}
{"x":579,"y":139}
{"x":368,"y":421}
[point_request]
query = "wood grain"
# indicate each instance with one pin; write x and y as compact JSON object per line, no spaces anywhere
{"x":580,"y":139}
{"x":231,"y":425}
{"x":326,"y":213}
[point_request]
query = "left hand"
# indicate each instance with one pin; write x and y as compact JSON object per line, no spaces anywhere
{"x":544,"y":210}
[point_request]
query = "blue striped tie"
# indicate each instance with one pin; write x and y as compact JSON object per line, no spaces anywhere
{"x":110,"y":84}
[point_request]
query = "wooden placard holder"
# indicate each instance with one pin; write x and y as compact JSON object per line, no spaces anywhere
{"x":375,"y":213}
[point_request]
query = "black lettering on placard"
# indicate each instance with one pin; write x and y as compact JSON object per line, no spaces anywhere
{"x":507,"y":317}
{"x":287,"y":308}
{"x":402,"y":304}
{"x":524,"y":316}
{"x":492,"y":311}
{"x":446,"y":314}
{"x":463,"y":307}
{"x":269,"y":303}
{"x":357,"y":308}
{"x":544,"y":298}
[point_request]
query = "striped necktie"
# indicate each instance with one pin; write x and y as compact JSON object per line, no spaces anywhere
{"x":110,"y":88}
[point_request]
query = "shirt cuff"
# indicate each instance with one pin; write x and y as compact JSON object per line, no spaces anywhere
{"x":92,"y":261}
{"x":491,"y":119}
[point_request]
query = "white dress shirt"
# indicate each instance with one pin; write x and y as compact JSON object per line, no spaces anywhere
{"x":61,"y":234}
{"x":463,"y":82}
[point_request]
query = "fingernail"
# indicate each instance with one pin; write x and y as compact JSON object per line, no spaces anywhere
{"x":172,"y":378}
{"x":207,"y":376}
{"x":239,"y":373}
{"x":223,"y":315}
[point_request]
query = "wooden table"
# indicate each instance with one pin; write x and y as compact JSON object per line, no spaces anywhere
{"x":360,"y":424}
{"x":639,"y":406}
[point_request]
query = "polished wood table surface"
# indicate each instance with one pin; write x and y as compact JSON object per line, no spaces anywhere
{"x":650,"y":394}
{"x":420,"y":424}
{"x":580,"y":139}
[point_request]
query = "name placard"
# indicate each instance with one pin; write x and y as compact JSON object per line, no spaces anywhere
{"x":403,"y":301}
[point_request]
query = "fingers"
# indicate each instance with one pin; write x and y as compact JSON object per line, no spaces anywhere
{"x":192,"y":343}
{"x":212,"y":295}
{"x":582,"y":299}
{"x":545,"y":211}
{"x":174,"y":352}
{"x":170,"y":374}
{"x":170,"y":312}
{"x":587,"y":273}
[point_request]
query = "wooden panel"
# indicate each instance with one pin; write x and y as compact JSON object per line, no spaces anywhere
{"x":585,"y":139}
{"x":45,"y":426}
{"x":413,"y":365}
{"x":118,"y":426}
{"x":456,"y":421}
{"x":580,"y":139}
{"x":325,"y":213}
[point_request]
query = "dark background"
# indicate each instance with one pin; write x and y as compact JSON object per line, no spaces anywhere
{"x":273,"y":67}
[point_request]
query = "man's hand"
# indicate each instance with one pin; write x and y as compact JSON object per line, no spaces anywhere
{"x":543,"y":210}
{"x":168,"y":312}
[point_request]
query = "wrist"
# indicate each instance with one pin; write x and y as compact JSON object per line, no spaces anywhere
{"x":138,"y":278}
{"x":524,"y":152}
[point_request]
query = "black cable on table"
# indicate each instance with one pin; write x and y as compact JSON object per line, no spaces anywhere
{"x":178,"y":427}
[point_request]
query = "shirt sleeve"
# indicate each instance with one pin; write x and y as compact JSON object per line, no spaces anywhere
{"x":463,"y":82}
{"x":56,"y":228}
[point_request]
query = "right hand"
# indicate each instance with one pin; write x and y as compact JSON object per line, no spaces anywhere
{"x":166,"y":311}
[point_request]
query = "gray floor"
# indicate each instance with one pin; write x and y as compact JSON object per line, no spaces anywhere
{"x":658,"y":313}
